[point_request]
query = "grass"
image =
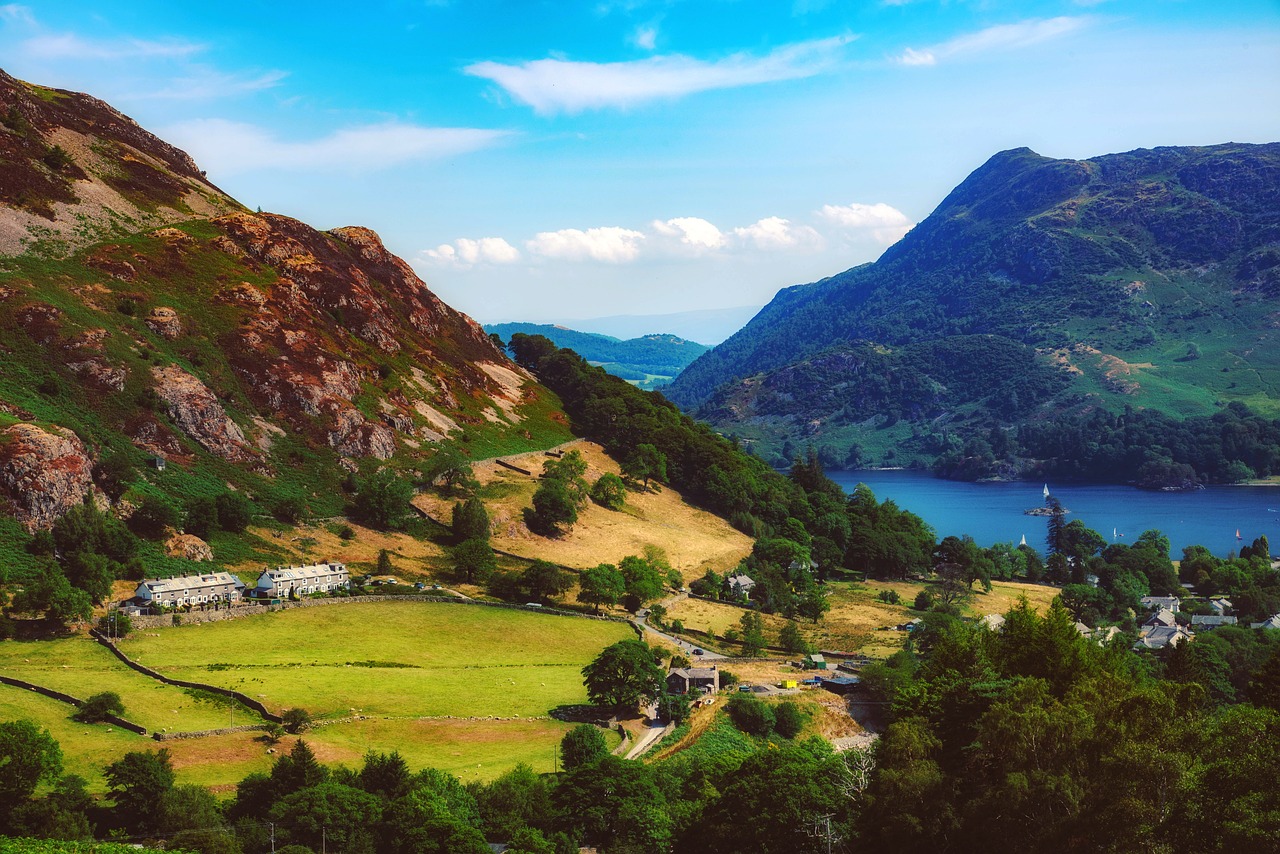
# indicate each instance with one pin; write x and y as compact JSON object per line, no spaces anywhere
{"x":81,"y":667}
{"x":462,"y":660}
{"x":693,"y":540}
{"x":86,"y":750}
{"x":858,"y":620}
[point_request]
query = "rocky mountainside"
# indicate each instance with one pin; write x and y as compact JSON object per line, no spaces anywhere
{"x":145,"y":314}
{"x":1038,"y":289}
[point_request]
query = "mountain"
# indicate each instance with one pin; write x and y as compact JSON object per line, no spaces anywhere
{"x":1040,"y":290}
{"x":708,"y":326}
{"x":145,"y":314}
{"x":647,"y":361}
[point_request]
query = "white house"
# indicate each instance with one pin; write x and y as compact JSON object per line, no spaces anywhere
{"x":190,"y":590}
{"x":740,"y":585}
{"x":1220,"y":605}
{"x":278,"y":583}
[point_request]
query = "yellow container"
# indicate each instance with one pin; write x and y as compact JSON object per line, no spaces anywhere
{"x":787,"y":683}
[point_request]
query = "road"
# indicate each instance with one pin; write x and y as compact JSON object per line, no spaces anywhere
{"x":656,"y":729}
{"x":681,"y":644}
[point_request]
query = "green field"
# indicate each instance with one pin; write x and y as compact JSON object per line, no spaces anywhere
{"x":81,"y":667}
{"x":429,"y":659}
{"x":462,"y":688}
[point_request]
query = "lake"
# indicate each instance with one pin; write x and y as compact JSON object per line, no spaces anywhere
{"x":993,"y":512}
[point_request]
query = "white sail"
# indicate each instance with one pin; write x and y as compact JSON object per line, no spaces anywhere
{"x":1046,"y":490}
{"x":1024,"y":540}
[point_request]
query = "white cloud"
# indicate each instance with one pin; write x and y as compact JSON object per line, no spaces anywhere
{"x":465,"y":253}
{"x":885,"y":224}
{"x":1002,"y":37}
{"x":609,"y":244}
{"x":645,"y":38}
{"x":691,"y":231}
{"x":777,"y":233}
{"x":206,"y":83}
{"x":72,"y":46}
{"x":16,"y":12}
{"x":557,"y":85}
{"x":225,"y":147}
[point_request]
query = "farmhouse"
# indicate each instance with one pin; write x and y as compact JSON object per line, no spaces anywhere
{"x":189,"y":590}
{"x":740,"y":585}
{"x":686,"y":680}
{"x":280,"y":582}
{"x":1158,"y":637}
{"x":1162,"y":603}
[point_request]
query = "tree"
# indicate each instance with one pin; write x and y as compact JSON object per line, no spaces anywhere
{"x":153,"y":517}
{"x":470,"y":520}
{"x":813,"y":604}
{"x":98,"y":707}
{"x":235,"y":512}
{"x":383,"y":500}
{"x":582,"y":745}
{"x":752,"y":716}
{"x":790,"y":638}
{"x":296,"y":720}
{"x":753,"y":642}
{"x":1057,"y":521}
{"x":643,"y":581}
{"x":553,"y":507}
{"x":29,"y":756}
{"x":384,"y":566}
{"x":114,"y":472}
{"x":601,"y":585}
{"x":624,"y":675}
{"x":788,"y":720}
{"x":385,"y":774}
{"x":609,"y":491}
{"x":473,"y":559}
{"x":297,"y":770}
{"x":673,"y":708}
{"x":331,"y":814}
{"x":50,"y":592}
{"x":646,"y":463}
{"x":139,"y":782}
{"x":543,"y":580}
{"x":449,"y":467}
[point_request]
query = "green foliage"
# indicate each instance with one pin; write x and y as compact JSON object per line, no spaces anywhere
{"x":663,"y":355}
{"x":788,"y":719}
{"x":790,"y":639}
{"x":542,"y":580}
{"x":890,"y":597}
{"x":383,"y":500}
{"x":139,"y":782}
{"x":296,"y":720}
{"x":97,"y":707}
{"x":474,"y":561}
{"x":582,"y":745}
{"x":29,"y":756}
{"x":751,"y":715}
{"x":624,"y":675}
{"x":601,"y":585}
{"x":153,"y":517}
{"x":609,"y":491}
{"x":470,"y":520}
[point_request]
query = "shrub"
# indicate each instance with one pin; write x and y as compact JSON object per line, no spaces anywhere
{"x":788,"y":720}
{"x":582,"y":745}
{"x":296,"y":720}
{"x":890,"y":597}
{"x":153,"y":517}
{"x":750,"y":715}
{"x":98,"y":707}
{"x":924,"y":601}
{"x":291,"y":510}
{"x":609,"y":491}
{"x":235,"y":512}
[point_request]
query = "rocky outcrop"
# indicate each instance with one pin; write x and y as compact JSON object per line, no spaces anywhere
{"x":198,"y":413}
{"x":188,"y":547}
{"x":43,"y":472}
{"x":164,"y":322}
{"x":356,"y":436}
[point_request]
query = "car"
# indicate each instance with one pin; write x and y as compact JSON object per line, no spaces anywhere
{"x":697,"y":652}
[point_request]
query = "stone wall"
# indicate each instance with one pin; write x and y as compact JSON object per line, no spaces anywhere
{"x":72,"y":701}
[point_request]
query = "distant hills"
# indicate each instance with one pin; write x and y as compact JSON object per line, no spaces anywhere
{"x":649,"y":361}
{"x":1039,"y":291}
{"x":708,"y":326}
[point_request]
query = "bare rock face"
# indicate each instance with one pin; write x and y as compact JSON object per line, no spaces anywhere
{"x":188,"y":547}
{"x":356,"y":436}
{"x":99,"y":374}
{"x":198,"y":413}
{"x":43,"y":473}
{"x":164,"y":322}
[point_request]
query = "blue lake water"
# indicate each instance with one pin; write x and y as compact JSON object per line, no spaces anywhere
{"x":993,"y":512}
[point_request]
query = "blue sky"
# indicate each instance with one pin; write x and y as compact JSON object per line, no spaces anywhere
{"x":559,"y":160}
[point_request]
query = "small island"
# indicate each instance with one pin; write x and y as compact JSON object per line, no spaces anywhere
{"x":1044,"y":511}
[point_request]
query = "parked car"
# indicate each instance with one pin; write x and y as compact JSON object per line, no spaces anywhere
{"x":697,"y":652}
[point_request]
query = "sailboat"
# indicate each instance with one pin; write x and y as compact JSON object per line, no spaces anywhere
{"x":1046,"y":490}
{"x":1238,"y":537}
{"x":1024,"y":540}
{"x":1114,"y":535}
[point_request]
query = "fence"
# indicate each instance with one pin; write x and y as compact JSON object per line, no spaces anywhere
{"x":73,"y":701}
